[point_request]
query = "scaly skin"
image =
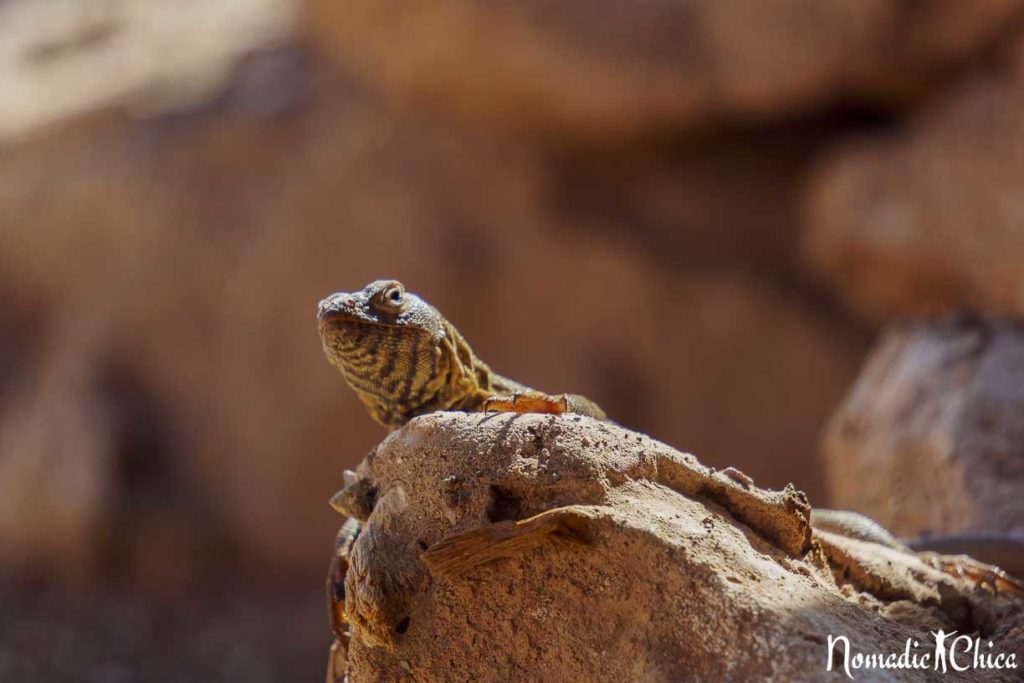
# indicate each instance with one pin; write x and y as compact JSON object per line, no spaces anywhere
{"x":403,"y":359}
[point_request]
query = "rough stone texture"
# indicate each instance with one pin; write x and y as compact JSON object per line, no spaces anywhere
{"x":56,"y":473}
{"x":608,"y":66}
{"x":61,"y":58}
{"x":931,"y":437}
{"x":585,"y":551}
{"x":929,"y":218}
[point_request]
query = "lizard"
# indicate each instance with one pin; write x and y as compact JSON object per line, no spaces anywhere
{"x":403,"y":358}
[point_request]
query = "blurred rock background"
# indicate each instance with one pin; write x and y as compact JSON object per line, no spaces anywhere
{"x":696,"y":212}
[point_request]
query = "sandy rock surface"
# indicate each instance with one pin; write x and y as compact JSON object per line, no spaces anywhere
{"x":589,"y":552}
{"x":586,"y":67}
{"x":57,"y":482}
{"x":62,"y":58}
{"x":929,"y":216}
{"x":931,"y":437}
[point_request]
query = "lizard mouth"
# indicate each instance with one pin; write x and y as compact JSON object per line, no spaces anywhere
{"x":338,"y":314}
{"x":340,"y":322}
{"x":336,"y":305}
{"x":327,"y":319}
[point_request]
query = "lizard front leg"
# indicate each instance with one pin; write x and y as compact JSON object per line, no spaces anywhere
{"x":520,"y":402}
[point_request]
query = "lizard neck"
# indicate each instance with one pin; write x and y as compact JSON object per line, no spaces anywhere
{"x":469,"y":380}
{"x":477,"y":381}
{"x":459,"y":381}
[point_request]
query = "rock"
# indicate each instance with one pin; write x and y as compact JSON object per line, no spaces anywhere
{"x":586,"y":551}
{"x":929,"y":219}
{"x":56,"y":464}
{"x":63,"y":59}
{"x":583,"y":68}
{"x":931,"y":437}
{"x":718,"y":202}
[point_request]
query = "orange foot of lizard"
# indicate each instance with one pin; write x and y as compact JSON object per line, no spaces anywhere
{"x":527,"y":403}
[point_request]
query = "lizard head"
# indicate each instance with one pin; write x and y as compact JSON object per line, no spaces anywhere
{"x":387,"y":344}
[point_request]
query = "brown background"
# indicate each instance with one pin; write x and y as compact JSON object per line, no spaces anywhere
{"x":697,"y":213}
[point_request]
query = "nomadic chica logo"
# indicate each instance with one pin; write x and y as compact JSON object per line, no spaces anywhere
{"x":948,"y":654}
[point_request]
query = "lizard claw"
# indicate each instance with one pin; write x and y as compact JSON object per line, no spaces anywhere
{"x":964,"y":567}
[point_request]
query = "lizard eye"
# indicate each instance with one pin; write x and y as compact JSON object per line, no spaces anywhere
{"x":392,"y":298}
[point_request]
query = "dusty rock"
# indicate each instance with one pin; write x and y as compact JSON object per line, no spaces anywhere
{"x":65,"y":58}
{"x":931,"y":437}
{"x":586,"y":551}
{"x":721,"y":202}
{"x":56,"y":469}
{"x":930,"y":218}
{"x":588,"y":67}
